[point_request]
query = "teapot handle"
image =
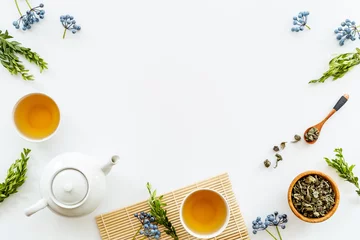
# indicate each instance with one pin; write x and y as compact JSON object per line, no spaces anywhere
{"x":36,"y":207}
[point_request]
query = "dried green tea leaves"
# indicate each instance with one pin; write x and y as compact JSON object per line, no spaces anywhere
{"x":277,"y":149}
{"x":313,"y":196}
{"x":297,"y":138}
{"x":312,"y":134}
{"x":278,"y":158}
{"x":267,"y":163}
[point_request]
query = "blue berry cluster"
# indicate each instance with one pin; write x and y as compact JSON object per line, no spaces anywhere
{"x":32,"y":16}
{"x":300,"y":22}
{"x":348,"y":30}
{"x":274,"y":219}
{"x":150,"y":227}
{"x":69,"y":23}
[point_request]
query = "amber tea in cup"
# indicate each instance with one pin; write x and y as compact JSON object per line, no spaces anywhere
{"x":36,"y":117}
{"x":204,"y":213}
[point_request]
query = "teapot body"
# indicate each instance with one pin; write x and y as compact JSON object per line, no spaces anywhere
{"x":89,"y":168}
{"x":72,"y":185}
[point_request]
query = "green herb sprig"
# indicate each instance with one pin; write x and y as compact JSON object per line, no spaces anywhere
{"x":9,"y":59}
{"x":159,"y":213}
{"x":340,"y":65}
{"x":343,"y":169}
{"x":16,"y":176}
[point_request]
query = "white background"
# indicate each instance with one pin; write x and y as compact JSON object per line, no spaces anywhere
{"x":183,"y":91}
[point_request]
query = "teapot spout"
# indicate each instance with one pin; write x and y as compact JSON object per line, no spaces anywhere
{"x":107,"y":167}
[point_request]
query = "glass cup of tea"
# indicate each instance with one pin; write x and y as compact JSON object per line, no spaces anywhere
{"x":204,"y":213}
{"x":36,"y":117}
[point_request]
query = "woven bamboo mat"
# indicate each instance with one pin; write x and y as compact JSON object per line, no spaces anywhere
{"x":121,"y":225}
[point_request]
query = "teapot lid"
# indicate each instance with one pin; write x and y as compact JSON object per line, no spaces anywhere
{"x":69,"y":187}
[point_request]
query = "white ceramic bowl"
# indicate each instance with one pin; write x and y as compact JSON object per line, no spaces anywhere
{"x":211,"y":235}
{"x":19,"y":132}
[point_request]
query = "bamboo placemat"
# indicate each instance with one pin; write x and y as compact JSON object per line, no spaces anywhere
{"x":121,"y":225}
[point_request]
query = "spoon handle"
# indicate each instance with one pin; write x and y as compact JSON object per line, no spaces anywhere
{"x":341,"y":102}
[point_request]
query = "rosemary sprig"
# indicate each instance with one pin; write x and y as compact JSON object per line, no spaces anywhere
{"x":340,"y":65}
{"x":156,"y":209}
{"x":343,"y":169}
{"x":16,"y":176}
{"x":9,"y":59}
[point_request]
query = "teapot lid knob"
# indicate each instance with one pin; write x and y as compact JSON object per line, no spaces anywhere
{"x":69,"y":187}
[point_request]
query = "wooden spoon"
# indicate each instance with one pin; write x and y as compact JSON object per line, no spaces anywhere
{"x":337,"y":106}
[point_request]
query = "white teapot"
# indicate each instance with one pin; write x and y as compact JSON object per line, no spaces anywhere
{"x":72,"y":185}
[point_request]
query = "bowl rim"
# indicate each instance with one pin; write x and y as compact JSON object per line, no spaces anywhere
{"x":334,"y":187}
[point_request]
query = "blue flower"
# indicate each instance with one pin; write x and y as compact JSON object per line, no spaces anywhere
{"x":275,"y":219}
{"x":32,"y":16}
{"x":300,"y":21}
{"x":258,"y":225}
{"x":150,"y":229}
{"x":348,"y":31}
{"x":69,"y":23}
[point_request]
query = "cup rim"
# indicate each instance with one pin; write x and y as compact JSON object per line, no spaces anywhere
{"x":212,"y":235}
{"x":16,"y":128}
{"x":334,"y":187}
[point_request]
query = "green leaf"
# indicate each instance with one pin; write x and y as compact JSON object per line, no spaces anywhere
{"x":343,"y":176}
{"x":16,"y":176}
{"x":156,"y":205}
{"x":313,"y":81}
{"x":343,"y":169}
{"x":340,"y":65}
{"x":8,"y":51}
